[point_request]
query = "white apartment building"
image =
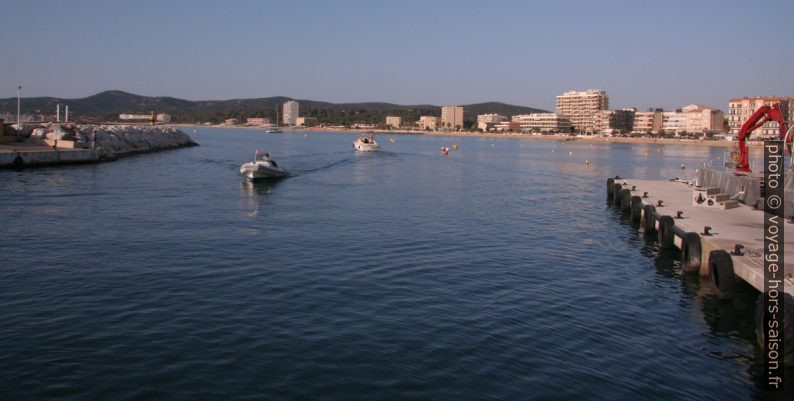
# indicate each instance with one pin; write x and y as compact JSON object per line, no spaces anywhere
{"x":393,"y":121}
{"x":580,"y":106}
{"x":648,"y":121}
{"x":613,"y":121}
{"x":484,"y":119}
{"x":291,"y":112}
{"x":702,"y":119}
{"x":452,"y":117}
{"x":429,"y":122}
{"x":740,"y":109}
{"x":543,"y":122}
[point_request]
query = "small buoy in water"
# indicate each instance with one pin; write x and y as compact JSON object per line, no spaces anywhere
{"x":491,"y":145}
{"x":587,"y":162}
{"x":392,"y":139}
{"x":570,"y":153}
{"x":444,"y":151}
{"x":552,"y":151}
{"x":305,"y":135}
{"x":683,"y":167}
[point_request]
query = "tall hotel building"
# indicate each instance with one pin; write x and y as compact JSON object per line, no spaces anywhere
{"x":740,"y":109}
{"x":581,"y":106}
{"x":291,"y":111}
{"x":452,"y":117}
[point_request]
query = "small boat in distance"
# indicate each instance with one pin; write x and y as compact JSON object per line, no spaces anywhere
{"x":262,"y":167}
{"x":366,"y":143}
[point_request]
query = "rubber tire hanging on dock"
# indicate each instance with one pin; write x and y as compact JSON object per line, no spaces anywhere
{"x":610,"y":187}
{"x":721,"y":273}
{"x":616,"y":194}
{"x":690,"y":252}
{"x":636,"y":207}
{"x":649,"y":221}
{"x":665,"y":232}
{"x":625,"y":199}
{"x":787,"y":330}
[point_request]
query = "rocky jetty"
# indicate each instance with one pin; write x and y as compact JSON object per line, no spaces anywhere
{"x":54,"y":144}
{"x":112,"y":141}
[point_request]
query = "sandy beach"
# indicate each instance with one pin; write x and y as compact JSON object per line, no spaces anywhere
{"x":529,"y":137}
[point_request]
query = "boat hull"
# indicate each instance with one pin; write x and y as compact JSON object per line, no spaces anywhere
{"x":366,"y":147}
{"x":256,"y":171}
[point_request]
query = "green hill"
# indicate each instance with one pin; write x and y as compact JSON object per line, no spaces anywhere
{"x":107,"y":105}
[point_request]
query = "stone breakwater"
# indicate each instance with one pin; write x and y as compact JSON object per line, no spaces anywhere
{"x":62,"y":144}
{"x":112,"y":141}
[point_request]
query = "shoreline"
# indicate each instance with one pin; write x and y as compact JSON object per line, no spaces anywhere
{"x":529,"y":137}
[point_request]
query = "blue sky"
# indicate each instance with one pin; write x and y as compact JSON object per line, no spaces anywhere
{"x":644,"y":53}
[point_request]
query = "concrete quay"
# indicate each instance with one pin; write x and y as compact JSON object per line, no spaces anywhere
{"x":18,"y":155}
{"x":719,"y":238}
{"x":667,"y":208}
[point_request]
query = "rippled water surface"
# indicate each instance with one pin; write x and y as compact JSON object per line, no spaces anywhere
{"x":499,"y":272}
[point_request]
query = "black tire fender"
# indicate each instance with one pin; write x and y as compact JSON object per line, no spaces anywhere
{"x":721,"y":273}
{"x":610,"y":187}
{"x":691,"y":251}
{"x":625,"y":199}
{"x":636,"y":207}
{"x":648,"y":221}
{"x":616,"y":194}
{"x":665,"y":232}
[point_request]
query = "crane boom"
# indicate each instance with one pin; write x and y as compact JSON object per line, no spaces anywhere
{"x":761,"y":116}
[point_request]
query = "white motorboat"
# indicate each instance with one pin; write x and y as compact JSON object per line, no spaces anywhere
{"x":366,"y":144}
{"x":262,"y":168}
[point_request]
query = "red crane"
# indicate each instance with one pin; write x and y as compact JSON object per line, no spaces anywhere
{"x":761,"y":116}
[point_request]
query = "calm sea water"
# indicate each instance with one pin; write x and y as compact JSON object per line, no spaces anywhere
{"x":499,"y":272}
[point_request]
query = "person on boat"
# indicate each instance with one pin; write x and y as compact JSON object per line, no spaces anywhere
{"x":266,"y":158}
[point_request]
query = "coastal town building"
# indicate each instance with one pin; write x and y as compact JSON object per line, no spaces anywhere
{"x":160,"y":118}
{"x":291,"y":112}
{"x":486,"y":122}
{"x":306,"y":121}
{"x":230,"y":121}
{"x":394,"y":121}
{"x":674,"y":121}
{"x":613,"y":121}
{"x":429,"y":122}
{"x":740,"y":109}
{"x":543,"y":123}
{"x":648,"y":122}
{"x":452,"y":117}
{"x":257,"y":121}
{"x":580,"y":106}
{"x":703,"y":119}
